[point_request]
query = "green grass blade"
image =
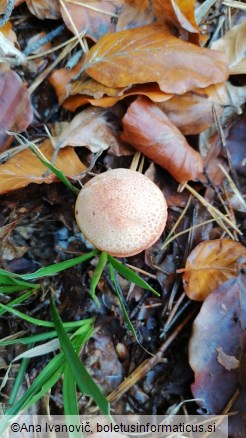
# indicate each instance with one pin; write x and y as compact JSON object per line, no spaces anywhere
{"x":124,"y":311}
{"x":84,"y":381}
{"x":16,"y":301}
{"x":39,"y":322}
{"x":41,"y":385}
{"x":19,"y":379}
{"x":97,"y":275}
{"x":69,"y":393}
{"x":85,"y":326}
{"x":12,"y":289}
{"x":60,"y":175}
{"x":52,"y":269}
{"x":131,"y":275}
{"x":58,"y":267}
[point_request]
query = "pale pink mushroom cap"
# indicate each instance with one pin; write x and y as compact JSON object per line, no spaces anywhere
{"x":121,"y":212}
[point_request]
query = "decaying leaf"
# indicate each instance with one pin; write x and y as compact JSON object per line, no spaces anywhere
{"x":15,"y":110}
{"x":233,"y":44}
{"x":210,"y":264}
{"x":25,"y":168}
{"x":89,"y":128}
{"x":135,"y":13}
{"x":45,"y":8}
{"x":220,"y":326}
{"x":149,"y":130}
{"x":152,"y":54}
{"x":92,"y":17}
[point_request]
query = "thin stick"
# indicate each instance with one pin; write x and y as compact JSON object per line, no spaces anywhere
{"x":141,"y":271}
{"x":176,"y":223}
{"x":233,"y":186}
{"x":83,"y":43}
{"x":213,"y":211}
{"x":47,"y":52}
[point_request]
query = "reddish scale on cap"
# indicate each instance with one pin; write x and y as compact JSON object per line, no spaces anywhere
{"x":121,"y":212}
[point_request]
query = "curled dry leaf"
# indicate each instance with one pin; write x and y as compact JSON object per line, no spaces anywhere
{"x":152,"y":54}
{"x":45,"y":8}
{"x":89,"y":128}
{"x":94,"y":17}
{"x":149,"y":130}
{"x":15,"y":111}
{"x":180,"y":13}
{"x":25,"y":168}
{"x":152,"y":91}
{"x":220,"y":326}
{"x":210,"y":264}
{"x":233,"y":44}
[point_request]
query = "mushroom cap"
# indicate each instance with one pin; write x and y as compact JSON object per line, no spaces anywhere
{"x":121,"y":212}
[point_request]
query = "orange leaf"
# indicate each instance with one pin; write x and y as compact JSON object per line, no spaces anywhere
{"x":149,"y":130}
{"x":15,"y":111}
{"x":210,"y":264}
{"x":60,"y":78}
{"x":150,"y":90}
{"x":85,"y":16}
{"x":25,"y":168}
{"x":192,"y":113}
{"x":152,"y":54}
{"x":178,"y":12}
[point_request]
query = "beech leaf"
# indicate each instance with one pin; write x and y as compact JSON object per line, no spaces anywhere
{"x":25,"y":168}
{"x":210,"y":264}
{"x":89,"y":128}
{"x":152,"y":54}
{"x":94,"y":16}
{"x":149,"y":130}
{"x":178,"y":12}
{"x":220,"y":327}
{"x":44,"y":8}
{"x":15,"y":111}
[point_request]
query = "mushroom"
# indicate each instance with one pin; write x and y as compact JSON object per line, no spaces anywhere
{"x":121,"y":212}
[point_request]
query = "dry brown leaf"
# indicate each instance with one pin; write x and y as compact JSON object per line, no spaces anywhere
{"x":152,"y":91}
{"x":15,"y":111}
{"x":45,"y":8}
{"x":233,"y":44}
{"x":220,"y":326}
{"x":93,"y":89}
{"x":89,"y":128}
{"x":152,"y":54}
{"x":25,"y":168}
{"x":135,"y":13}
{"x":192,"y":113}
{"x":85,"y":17}
{"x":60,"y":78}
{"x":148,"y":129}
{"x":180,"y":13}
{"x":210,"y":264}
